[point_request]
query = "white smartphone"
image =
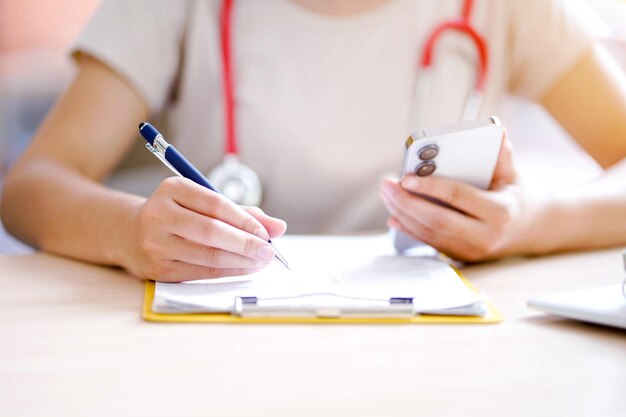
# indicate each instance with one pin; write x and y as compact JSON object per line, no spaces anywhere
{"x":467,"y":152}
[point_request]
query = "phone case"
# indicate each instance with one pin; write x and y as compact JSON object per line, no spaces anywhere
{"x":467,"y":152}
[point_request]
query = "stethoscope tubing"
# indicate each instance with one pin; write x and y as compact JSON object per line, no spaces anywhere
{"x":226,"y":19}
{"x":460,"y":25}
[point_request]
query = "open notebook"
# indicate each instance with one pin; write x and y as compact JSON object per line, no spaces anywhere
{"x":331,"y":277}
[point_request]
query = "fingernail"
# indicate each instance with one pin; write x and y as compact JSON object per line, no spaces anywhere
{"x":410,"y":182}
{"x":265,"y":253}
{"x":262,"y":233}
{"x":387,"y":189}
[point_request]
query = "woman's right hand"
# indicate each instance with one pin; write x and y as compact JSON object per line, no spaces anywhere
{"x":187,"y":232}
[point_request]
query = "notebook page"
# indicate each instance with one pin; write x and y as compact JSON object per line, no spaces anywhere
{"x":357,"y":267}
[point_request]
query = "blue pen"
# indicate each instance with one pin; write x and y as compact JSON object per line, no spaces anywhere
{"x":176,"y":162}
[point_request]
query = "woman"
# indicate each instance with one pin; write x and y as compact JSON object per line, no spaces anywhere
{"x":324,"y":92}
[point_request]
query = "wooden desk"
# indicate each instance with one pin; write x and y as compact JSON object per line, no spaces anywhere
{"x":72,"y":343}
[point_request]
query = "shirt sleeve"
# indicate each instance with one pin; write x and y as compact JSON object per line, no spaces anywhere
{"x":141,"y":40}
{"x":547,"y":38}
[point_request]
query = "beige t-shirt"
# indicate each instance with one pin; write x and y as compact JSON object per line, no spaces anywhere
{"x":323,"y":103}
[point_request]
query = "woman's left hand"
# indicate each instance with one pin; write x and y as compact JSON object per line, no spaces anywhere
{"x":478,"y":224}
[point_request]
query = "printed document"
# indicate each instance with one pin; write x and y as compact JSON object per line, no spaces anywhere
{"x":359,"y":268}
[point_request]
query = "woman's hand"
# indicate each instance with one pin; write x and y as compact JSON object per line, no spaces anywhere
{"x":478,"y":225}
{"x":186,"y":232}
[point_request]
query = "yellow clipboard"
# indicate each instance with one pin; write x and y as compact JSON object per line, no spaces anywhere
{"x":492,"y":316}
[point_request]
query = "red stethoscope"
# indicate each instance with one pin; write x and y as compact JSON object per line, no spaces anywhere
{"x":242,"y":185}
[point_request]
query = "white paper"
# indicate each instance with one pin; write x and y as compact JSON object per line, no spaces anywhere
{"x":363,"y":267}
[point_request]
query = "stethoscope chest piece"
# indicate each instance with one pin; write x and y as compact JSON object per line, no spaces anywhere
{"x":237,"y":181}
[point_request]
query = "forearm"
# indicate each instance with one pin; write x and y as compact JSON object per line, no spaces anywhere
{"x":594,"y":215}
{"x":590,"y":216}
{"x":58,"y":210}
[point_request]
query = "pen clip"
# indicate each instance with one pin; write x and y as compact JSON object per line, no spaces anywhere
{"x":162,"y":158}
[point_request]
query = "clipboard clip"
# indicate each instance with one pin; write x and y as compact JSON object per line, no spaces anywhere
{"x":325,"y":306}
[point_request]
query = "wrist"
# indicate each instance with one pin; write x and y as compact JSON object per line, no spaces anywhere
{"x":118,"y":243}
{"x":535,"y":231}
{"x":554,"y":225}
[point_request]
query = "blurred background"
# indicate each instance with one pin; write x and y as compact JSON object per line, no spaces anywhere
{"x":35,"y":68}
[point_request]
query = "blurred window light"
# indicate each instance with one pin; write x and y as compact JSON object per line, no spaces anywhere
{"x":614,"y":14}
{"x":37,"y":24}
{"x":34,"y":38}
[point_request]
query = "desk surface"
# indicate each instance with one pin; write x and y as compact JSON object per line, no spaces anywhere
{"x":72,"y":343}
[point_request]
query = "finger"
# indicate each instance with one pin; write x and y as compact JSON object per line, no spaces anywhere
{"x":215,"y":233}
{"x":468,"y":239}
{"x":194,"y":197}
{"x":274,"y":226}
{"x":457,"y":249}
{"x":190,"y":252}
{"x":451,"y":246}
{"x":436,"y":223}
{"x":176,"y":271}
{"x":505,"y":172}
{"x":463,"y":197}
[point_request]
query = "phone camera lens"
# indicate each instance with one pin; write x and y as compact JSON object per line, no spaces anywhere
{"x":428,"y":152}
{"x":425,"y":168}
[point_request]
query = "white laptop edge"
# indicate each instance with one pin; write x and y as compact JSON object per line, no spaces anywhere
{"x":600,"y":305}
